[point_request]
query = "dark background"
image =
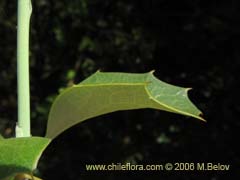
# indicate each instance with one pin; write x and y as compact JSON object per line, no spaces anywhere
{"x":189,"y":43}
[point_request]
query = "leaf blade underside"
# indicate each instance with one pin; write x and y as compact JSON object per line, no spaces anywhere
{"x":103,"y":93}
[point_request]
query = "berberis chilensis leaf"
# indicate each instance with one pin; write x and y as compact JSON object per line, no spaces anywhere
{"x":20,"y":155}
{"x":103,"y":93}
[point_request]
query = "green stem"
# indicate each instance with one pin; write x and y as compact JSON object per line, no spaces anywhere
{"x":23,"y":18}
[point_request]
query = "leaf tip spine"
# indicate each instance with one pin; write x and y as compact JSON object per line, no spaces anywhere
{"x":201,"y":117}
{"x":188,"y":89}
{"x":152,"y":71}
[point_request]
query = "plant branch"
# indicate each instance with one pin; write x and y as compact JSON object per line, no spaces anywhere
{"x":23,"y":18}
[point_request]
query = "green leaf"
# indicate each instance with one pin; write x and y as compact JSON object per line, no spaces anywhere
{"x":20,"y":155}
{"x":103,"y":93}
